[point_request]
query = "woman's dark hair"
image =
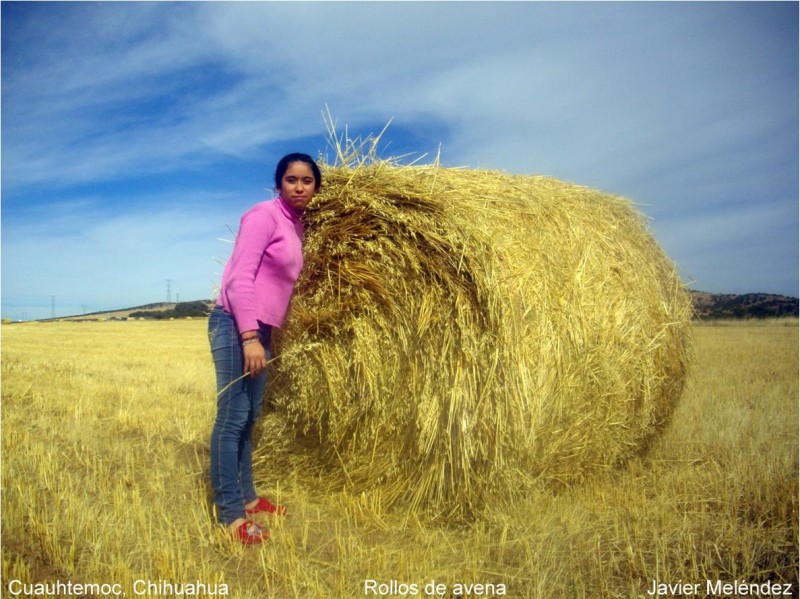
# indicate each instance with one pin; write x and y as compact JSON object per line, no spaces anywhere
{"x":284,"y":163}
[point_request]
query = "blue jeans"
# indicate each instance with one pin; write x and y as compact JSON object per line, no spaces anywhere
{"x":238,"y":406}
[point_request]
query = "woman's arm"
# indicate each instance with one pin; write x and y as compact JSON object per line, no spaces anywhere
{"x":255,"y":232}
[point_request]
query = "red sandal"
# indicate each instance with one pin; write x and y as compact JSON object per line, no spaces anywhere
{"x":250,"y":533}
{"x":265,"y":506}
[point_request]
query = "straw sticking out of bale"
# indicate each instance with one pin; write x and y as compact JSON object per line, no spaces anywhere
{"x":457,"y":334}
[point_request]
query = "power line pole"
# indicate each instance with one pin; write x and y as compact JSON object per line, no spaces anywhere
{"x":169,"y":291}
{"x":52,"y":306}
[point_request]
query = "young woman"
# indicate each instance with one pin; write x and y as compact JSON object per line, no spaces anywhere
{"x":257,"y":286}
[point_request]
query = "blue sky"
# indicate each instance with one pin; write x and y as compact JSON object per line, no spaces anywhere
{"x":135,"y":134}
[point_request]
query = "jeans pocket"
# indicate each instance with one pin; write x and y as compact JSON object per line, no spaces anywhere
{"x":213,"y":327}
{"x":224,"y":335}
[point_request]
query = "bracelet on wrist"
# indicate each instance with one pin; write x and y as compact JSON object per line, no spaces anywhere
{"x":249,"y":341}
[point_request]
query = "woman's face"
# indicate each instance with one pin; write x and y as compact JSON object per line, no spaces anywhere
{"x":298,"y":185}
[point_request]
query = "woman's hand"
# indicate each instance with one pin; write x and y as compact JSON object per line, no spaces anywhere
{"x":255,"y":357}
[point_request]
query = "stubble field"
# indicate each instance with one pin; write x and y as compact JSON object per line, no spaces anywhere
{"x":105,"y":490}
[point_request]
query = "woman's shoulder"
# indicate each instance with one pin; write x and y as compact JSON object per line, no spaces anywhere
{"x":262,"y":209}
{"x":269,"y":204}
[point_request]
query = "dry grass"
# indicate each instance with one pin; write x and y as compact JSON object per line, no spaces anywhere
{"x":105,"y":429}
{"x":461,"y":336}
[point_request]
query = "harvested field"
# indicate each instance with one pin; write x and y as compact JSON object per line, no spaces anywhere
{"x":105,"y":480}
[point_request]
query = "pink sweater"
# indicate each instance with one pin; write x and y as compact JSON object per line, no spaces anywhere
{"x":258,"y":281}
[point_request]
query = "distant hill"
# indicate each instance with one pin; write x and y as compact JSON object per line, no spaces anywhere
{"x":155,"y":311}
{"x":197,"y":309}
{"x":708,"y":306}
{"x":711,"y":306}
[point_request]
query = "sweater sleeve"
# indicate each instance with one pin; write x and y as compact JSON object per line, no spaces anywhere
{"x":256,"y":230}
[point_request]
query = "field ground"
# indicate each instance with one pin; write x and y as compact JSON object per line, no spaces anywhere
{"x":105,"y":429}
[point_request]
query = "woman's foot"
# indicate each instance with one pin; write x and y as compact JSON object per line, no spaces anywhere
{"x":248,"y":532}
{"x":264,"y":506}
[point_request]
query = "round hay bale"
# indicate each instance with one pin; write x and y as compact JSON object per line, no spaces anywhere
{"x":458,"y":334}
